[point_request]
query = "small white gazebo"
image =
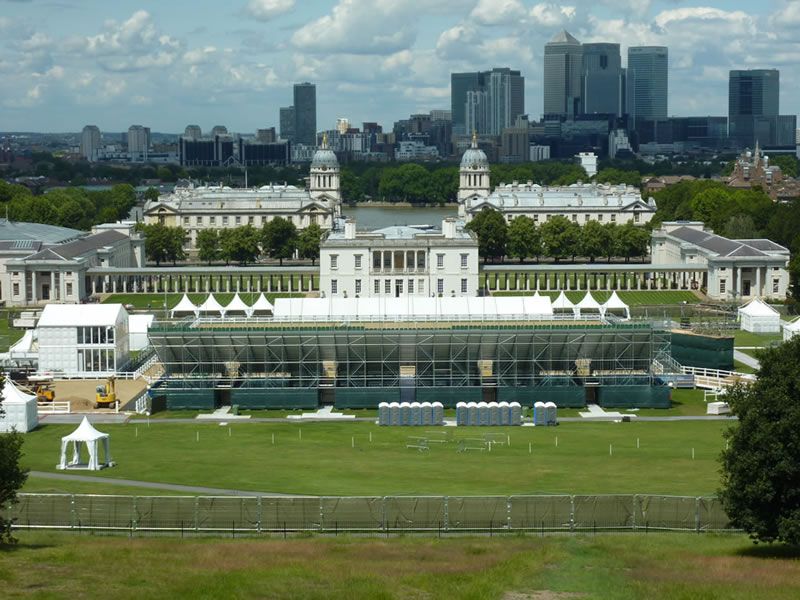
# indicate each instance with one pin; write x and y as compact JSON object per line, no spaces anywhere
{"x":262,"y":305}
{"x":211,"y":305}
{"x":88,"y":435}
{"x":759,"y":317}
{"x":562,"y":305}
{"x":614,"y":304}
{"x":589,"y":304}
{"x":237,"y":305}
{"x":185,"y":306}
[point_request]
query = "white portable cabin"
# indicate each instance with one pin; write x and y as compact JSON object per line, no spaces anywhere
{"x":539,"y":414}
{"x":551,"y":413}
{"x":462,"y":414}
{"x":483,"y":414}
{"x":384,"y":414}
{"x":416,"y":413}
{"x":759,"y":317}
{"x":516,"y":413}
{"x":427,"y":413}
{"x":21,"y":412}
{"x":505,"y":413}
{"x":472,"y":410}
{"x":438,"y":413}
{"x":494,"y":414}
{"x":790,"y":330}
{"x":87,"y":340}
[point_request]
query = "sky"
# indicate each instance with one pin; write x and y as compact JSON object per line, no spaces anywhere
{"x":68,"y":63}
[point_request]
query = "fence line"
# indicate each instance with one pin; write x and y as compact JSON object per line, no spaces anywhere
{"x":379,"y":514}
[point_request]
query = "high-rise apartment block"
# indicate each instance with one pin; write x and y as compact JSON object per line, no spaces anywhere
{"x":563,"y":59}
{"x":193,"y":132}
{"x":138,"y":140}
{"x":486,"y":101}
{"x":648,"y":68}
{"x":305,"y":113}
{"x":90,"y":142}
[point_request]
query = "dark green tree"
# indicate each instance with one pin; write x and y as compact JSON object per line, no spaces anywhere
{"x":240,"y":244}
{"x":740,"y":227}
{"x":12,"y":476}
{"x":523,"y":238}
{"x":492,"y":231}
{"x":595,"y":240}
{"x":279,"y":239}
{"x":761,"y":465}
{"x":151,"y":194}
{"x":632,"y":241}
{"x":308,"y":242}
{"x":162,"y":243}
{"x":208,"y":245}
{"x":789,"y":165}
{"x":560,"y":237}
{"x":352,"y":189}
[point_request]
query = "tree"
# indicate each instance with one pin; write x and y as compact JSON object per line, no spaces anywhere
{"x":308,"y":242}
{"x":351,"y":187}
{"x":151,"y":194}
{"x":595,"y":240}
{"x":632,"y":241}
{"x":12,"y":476}
{"x":740,"y":227}
{"x":162,"y":243}
{"x":523,"y":238}
{"x":279,"y":238}
{"x":208,"y":245}
{"x":239,"y":244}
{"x":492,"y":231}
{"x":761,"y":465}
{"x":560,"y":237}
{"x":789,"y":165}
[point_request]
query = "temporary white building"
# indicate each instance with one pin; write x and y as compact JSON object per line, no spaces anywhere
{"x":791,"y":329}
{"x":237,"y":307}
{"x":261,"y":306}
{"x":589,"y":305}
{"x":759,"y":317}
{"x":85,"y":435}
{"x":184,"y":307}
{"x":211,"y":306}
{"x":137,"y":330}
{"x":20,"y":409}
{"x":562,"y":305}
{"x":615,"y":305}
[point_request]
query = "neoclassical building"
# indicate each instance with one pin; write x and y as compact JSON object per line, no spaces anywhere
{"x":219,"y":207}
{"x":579,"y":202}
{"x":399,"y":261}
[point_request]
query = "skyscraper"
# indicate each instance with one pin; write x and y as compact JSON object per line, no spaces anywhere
{"x":305,"y":113}
{"x":287,"y":123}
{"x":649,"y":68}
{"x":138,"y":139}
{"x":602,"y":80}
{"x":753,"y":106}
{"x":498,"y":96}
{"x":562,"y":75}
{"x":460,"y":84}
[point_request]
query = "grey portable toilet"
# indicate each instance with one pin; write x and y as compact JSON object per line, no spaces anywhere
{"x":516,"y":414}
{"x":416,"y":413}
{"x":494,"y":413}
{"x":552,"y":413}
{"x":438,"y":413}
{"x":427,"y":413}
{"x":472,"y":407}
{"x":505,"y":413}
{"x":405,"y":413}
{"x":462,"y":414}
{"x":394,"y":409}
{"x":483,"y":414}
{"x":539,"y":414}
{"x":384,"y":414}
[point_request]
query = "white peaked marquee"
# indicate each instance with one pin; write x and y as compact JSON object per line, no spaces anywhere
{"x":87,"y":435}
{"x":615,"y":304}
{"x":185,"y":306}
{"x":589,"y":304}
{"x":211,"y":305}
{"x":237,"y":305}
{"x":262,"y":305}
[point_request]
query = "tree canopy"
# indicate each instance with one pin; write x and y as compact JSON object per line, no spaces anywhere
{"x":308,"y":242}
{"x":12,"y":476}
{"x":279,"y":238}
{"x":492,"y":231}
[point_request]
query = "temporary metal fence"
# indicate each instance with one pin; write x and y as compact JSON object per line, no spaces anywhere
{"x":378,"y":514}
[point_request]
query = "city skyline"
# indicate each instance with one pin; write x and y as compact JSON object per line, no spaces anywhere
{"x":167,"y":65}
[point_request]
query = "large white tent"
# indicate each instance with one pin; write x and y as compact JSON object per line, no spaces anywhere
{"x":614,"y":305}
{"x":262,"y":305}
{"x":238,"y":306}
{"x":21,"y":412}
{"x":791,"y":329}
{"x":211,"y":306}
{"x":759,"y":317}
{"x":185,"y":306}
{"x":86,"y":435}
{"x":588,"y":305}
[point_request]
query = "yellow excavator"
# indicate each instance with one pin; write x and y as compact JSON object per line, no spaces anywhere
{"x":106,"y":394}
{"x":44,"y":393}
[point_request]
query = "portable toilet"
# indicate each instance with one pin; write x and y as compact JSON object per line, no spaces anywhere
{"x":483,"y":414}
{"x":416,"y":413}
{"x":438,"y":413}
{"x":539,"y":414}
{"x":494,"y":413}
{"x":552,"y":413}
{"x":405,"y":413}
{"x":462,"y":414}
{"x":505,"y":413}
{"x":427,"y":413}
{"x":472,"y":407}
{"x":384,"y":414}
{"x":394,"y":409}
{"x":516,"y":414}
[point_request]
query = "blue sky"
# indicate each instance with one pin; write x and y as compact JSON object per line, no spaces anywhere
{"x":68,"y":63}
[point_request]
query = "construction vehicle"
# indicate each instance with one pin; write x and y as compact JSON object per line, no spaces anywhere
{"x":44,"y":393}
{"x":106,"y":394}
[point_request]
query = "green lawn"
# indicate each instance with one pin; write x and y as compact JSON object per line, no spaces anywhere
{"x":642,"y":298}
{"x":657,"y":566}
{"x":321,"y":460}
{"x":156,"y":301}
{"x":8,"y":335}
{"x":747,"y":338}
{"x":740,"y":367}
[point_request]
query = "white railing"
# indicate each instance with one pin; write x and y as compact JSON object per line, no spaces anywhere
{"x":717,"y":378}
{"x":145,"y":366}
{"x":141,"y":402}
{"x":54,"y":408}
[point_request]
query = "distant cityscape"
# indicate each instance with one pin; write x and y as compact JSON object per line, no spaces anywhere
{"x":592,"y":104}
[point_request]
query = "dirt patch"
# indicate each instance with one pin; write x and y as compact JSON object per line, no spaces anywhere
{"x":81,"y":392}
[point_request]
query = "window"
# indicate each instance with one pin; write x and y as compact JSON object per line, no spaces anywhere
{"x":410,"y":286}
{"x":421,"y":287}
{"x":16,"y":289}
{"x":358,"y":261}
{"x":587,"y":218}
{"x":334,"y":287}
{"x":463,"y":286}
{"x":224,"y":220}
{"x":613,"y":218}
{"x":212,"y":220}
{"x":464,"y":258}
{"x":635,"y":217}
{"x":776,"y":286}
{"x":387,"y":286}
{"x":421,"y":261}
{"x":377,"y":286}
{"x":722,"y":285}
{"x":69,"y":289}
{"x":387,"y":260}
{"x":440,"y":261}
{"x":334,"y":261}
{"x":440,"y":286}
{"x":238,"y":220}
{"x":547,"y":217}
{"x":68,"y":274}
{"x":574,"y":218}
{"x":376,"y":260}
{"x":185,"y":220}
{"x":358,"y":286}
{"x":251,"y":220}
{"x":535,"y":218}
{"x":600,"y":218}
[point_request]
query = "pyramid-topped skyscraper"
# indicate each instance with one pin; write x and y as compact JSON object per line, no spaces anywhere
{"x":563,"y":55}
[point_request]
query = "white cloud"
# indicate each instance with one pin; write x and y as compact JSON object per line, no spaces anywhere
{"x":266,"y":10}
{"x":38,"y":41}
{"x":548,"y":14}
{"x":199,"y":56}
{"x":497,"y":12}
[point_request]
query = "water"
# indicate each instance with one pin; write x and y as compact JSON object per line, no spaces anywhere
{"x":377,"y":217}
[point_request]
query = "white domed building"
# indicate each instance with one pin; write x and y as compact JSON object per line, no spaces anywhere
{"x":220,"y":207}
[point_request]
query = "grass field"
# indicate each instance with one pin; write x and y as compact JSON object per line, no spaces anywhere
{"x":622,"y":567}
{"x":761,"y":340}
{"x":634,"y":298}
{"x":339,"y":459}
{"x":156,"y":301}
